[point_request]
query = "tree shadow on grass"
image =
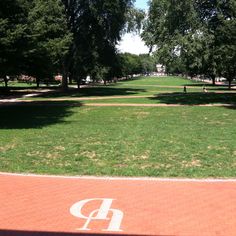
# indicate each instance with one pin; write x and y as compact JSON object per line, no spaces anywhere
{"x":6,"y":93}
{"x":42,"y":233}
{"x":13,"y":92}
{"x":196,"y":98}
{"x":223,"y":87}
{"x":34,"y":114}
{"x":94,"y":91}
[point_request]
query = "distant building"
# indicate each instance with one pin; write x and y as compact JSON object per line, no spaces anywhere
{"x":161,"y":69}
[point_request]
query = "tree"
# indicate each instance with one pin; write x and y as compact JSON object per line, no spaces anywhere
{"x":170,"y":29}
{"x":227,"y":50}
{"x":49,"y":39}
{"x":13,"y":36}
{"x":148,"y":63}
{"x":193,"y":36}
{"x":219,"y":18}
{"x":96,"y":27}
{"x":130,"y":64}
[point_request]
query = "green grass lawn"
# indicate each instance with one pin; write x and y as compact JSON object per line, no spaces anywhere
{"x":175,"y":98}
{"x":167,"y":142}
{"x":148,"y":86}
{"x":71,"y":139}
{"x":15,"y":84}
{"x":165,"y":81}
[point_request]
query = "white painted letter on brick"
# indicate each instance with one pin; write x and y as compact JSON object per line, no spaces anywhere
{"x":99,"y":214}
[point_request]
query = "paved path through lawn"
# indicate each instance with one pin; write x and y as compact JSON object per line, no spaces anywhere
{"x":36,"y":205}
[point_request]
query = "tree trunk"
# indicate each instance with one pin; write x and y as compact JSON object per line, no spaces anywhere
{"x":78,"y":83}
{"x":6,"y":81}
{"x":64,"y":82}
{"x":230,"y":83}
{"x":213,"y":80}
{"x":37,"y":82}
{"x":70,"y":78}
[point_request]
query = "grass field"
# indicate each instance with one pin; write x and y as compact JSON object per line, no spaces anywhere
{"x":175,"y":98}
{"x":158,"y":89}
{"x":60,"y":138}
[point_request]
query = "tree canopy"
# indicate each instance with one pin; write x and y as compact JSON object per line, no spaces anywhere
{"x":193,"y":37}
{"x":96,"y":27}
{"x":13,"y":36}
{"x":73,"y":37}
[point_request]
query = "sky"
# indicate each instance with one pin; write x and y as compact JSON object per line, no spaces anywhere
{"x":141,"y":4}
{"x":132,"y":42}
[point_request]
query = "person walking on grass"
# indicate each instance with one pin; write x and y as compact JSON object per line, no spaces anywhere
{"x":204,"y":89}
{"x":185,"y":89}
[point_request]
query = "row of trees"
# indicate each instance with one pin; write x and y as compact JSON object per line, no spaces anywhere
{"x":75,"y":38}
{"x":194,"y":37}
{"x":130,"y":64}
{"x":127,"y":65}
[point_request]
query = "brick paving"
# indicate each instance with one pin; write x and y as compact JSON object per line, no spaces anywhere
{"x":36,"y":205}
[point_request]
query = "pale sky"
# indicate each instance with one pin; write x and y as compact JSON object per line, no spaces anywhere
{"x":141,"y":4}
{"x":133,"y":43}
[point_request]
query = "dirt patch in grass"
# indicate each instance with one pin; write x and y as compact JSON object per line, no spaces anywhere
{"x":120,"y":165}
{"x":144,"y":156}
{"x":53,"y":155}
{"x":217,"y":148}
{"x":90,"y":154}
{"x":48,"y":155}
{"x":60,"y":148}
{"x":142,"y":114}
{"x":193,"y":163}
{"x":156,"y":166}
{"x":7,"y":147}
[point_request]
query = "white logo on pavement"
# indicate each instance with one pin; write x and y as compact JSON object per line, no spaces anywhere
{"x":99,"y":214}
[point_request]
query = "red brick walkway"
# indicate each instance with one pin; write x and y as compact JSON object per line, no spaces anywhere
{"x":34,"y":205}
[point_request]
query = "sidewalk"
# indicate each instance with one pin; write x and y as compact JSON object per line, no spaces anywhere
{"x":64,"y":206}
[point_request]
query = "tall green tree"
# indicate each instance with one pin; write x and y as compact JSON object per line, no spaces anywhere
{"x":130,"y":64}
{"x":219,"y":17}
{"x":148,"y":63}
{"x":13,"y":36}
{"x":170,"y":29}
{"x":96,"y":27}
{"x":194,"y":36}
{"x":49,"y":39}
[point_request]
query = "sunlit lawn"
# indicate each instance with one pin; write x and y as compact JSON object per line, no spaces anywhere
{"x":15,"y":84}
{"x":163,"y":81}
{"x":182,"y":141}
